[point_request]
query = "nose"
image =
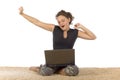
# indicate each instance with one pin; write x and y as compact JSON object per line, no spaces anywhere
{"x":61,"y":23}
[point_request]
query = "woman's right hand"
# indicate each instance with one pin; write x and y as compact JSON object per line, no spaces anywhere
{"x":21,"y":10}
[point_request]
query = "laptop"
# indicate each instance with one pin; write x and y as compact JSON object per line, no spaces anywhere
{"x":60,"y":57}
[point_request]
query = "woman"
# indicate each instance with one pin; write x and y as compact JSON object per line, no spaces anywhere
{"x":63,"y":38}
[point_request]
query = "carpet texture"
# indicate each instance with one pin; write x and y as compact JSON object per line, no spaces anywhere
{"x":23,"y":73}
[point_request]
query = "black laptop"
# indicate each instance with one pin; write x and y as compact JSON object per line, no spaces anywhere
{"x":60,"y":57}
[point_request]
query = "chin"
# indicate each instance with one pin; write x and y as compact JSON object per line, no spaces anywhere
{"x":64,"y":29}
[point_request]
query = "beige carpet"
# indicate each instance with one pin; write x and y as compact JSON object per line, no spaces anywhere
{"x":23,"y":73}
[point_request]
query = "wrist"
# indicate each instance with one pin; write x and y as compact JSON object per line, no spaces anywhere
{"x":21,"y":13}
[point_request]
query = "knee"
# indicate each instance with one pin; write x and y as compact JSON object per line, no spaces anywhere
{"x":71,"y":70}
{"x":46,"y":71}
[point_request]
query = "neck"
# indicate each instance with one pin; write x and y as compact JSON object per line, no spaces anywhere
{"x":67,"y":29}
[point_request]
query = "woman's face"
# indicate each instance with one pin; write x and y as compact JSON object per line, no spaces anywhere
{"x":63,"y":22}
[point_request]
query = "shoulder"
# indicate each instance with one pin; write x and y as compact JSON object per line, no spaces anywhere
{"x":74,"y":30}
{"x":56,"y":27}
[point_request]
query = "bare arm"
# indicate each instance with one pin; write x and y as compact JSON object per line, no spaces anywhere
{"x":84,"y":32}
{"x":46,"y":26}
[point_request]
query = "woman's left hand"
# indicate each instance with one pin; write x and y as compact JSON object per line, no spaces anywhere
{"x":77,"y":26}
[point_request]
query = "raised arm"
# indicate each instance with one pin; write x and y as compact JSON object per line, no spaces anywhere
{"x":46,"y":26}
{"x":84,"y":32}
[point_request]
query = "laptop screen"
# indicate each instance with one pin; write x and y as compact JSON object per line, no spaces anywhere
{"x":60,"y":57}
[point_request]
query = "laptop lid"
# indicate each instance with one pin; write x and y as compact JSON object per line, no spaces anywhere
{"x":60,"y":57}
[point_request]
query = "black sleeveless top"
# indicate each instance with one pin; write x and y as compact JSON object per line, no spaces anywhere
{"x":59,"y":42}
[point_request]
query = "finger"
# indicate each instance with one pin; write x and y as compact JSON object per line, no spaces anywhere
{"x":75,"y":25}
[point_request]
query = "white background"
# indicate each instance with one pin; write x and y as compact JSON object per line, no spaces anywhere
{"x":23,"y":44}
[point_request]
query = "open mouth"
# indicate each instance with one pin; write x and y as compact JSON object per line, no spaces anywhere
{"x":62,"y":26}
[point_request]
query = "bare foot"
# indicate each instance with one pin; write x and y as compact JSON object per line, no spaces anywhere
{"x":62,"y":72}
{"x":35,"y":69}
